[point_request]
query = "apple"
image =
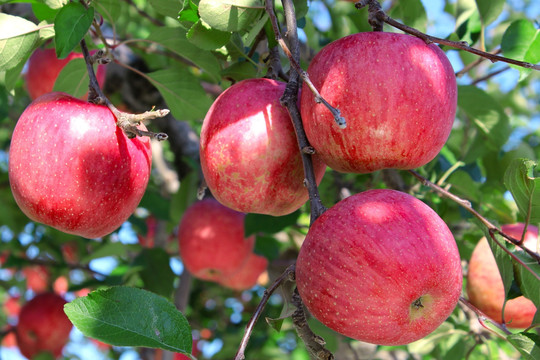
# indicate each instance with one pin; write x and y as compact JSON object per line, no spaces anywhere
{"x":397,"y":94}
{"x":211,"y":240}
{"x":43,"y":326}
{"x":37,"y":278}
{"x":12,"y":306}
{"x":72,"y":168}
{"x":9,"y":339}
{"x":44,"y":67}
{"x":381,"y":267}
{"x":246,"y":277}
{"x":249,"y":152}
{"x":485,"y":288}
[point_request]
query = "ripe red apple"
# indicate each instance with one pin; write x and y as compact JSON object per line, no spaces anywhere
{"x":397,"y":94}
{"x":12,"y":306}
{"x":72,"y":168}
{"x":211,"y":240}
{"x":249,"y":152}
{"x":248,"y":274}
{"x":37,"y":278}
{"x":43,"y":326}
{"x":44,"y":67}
{"x":381,"y":267}
{"x":485,"y":287}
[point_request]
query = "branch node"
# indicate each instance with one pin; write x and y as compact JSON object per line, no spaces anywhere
{"x":308,"y":150}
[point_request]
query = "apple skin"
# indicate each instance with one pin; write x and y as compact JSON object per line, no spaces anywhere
{"x":211,"y":240}
{"x":72,"y":168}
{"x":246,"y":277}
{"x":43,"y":326}
{"x":366,"y":261}
{"x":44,"y":67}
{"x":485,"y":288}
{"x":397,"y":94}
{"x":37,"y":278}
{"x":249,"y":152}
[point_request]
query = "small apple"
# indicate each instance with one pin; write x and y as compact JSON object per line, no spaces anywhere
{"x":12,"y":306}
{"x":397,"y":94}
{"x":485,"y":288}
{"x":43,"y":326}
{"x":211,"y":240}
{"x":9,"y":340}
{"x":248,"y":274}
{"x":249,"y":152}
{"x":44,"y":67}
{"x":37,"y":278}
{"x":381,"y":267}
{"x":72,"y":168}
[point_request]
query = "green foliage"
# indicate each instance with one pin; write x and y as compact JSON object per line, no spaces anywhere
{"x":70,"y":26}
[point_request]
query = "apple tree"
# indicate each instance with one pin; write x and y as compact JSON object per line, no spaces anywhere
{"x":248,"y":179}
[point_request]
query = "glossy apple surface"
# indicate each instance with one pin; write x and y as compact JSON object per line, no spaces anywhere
{"x":249,"y":152}
{"x":246,"y":277}
{"x":211,"y":240}
{"x":398,"y":96}
{"x":381,"y":267}
{"x":485,"y":288}
{"x":72,"y":168}
{"x":44,"y":67}
{"x":43,"y":326}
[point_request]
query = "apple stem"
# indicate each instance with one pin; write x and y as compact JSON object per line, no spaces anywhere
{"x":377,"y":14}
{"x":482,"y":317}
{"x":127,"y":122}
{"x":340,"y":120}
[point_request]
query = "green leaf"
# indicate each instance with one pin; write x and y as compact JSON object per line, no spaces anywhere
{"x":70,"y":26}
{"x":489,"y":10}
{"x":17,"y":40}
{"x":521,"y":41}
{"x":124,"y":316}
{"x":108,"y":249}
{"x":183,"y":93}
{"x":487,"y":115}
{"x":504,"y":261}
{"x":184,"y":197}
{"x":268,"y":224}
{"x":522,"y":184}
{"x":55,"y":4}
{"x":167,"y":7}
{"x":240,"y":71}
{"x":412,"y":13}
{"x":189,"y":12}
{"x":155,"y":271}
{"x":175,"y":40}
{"x":109,"y":9}
{"x":230,"y":15}
{"x":44,"y":12}
{"x":207,"y":38}
{"x":73,"y":79}
{"x":528,"y":344}
{"x":528,"y":282}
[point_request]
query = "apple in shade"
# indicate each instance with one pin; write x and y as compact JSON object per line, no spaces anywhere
{"x":248,"y":274}
{"x":249,"y":152}
{"x":381,"y":267}
{"x":485,"y":288}
{"x":72,"y":168}
{"x":43,"y":326}
{"x":37,"y":278}
{"x":397,"y":94}
{"x":211,"y":240}
{"x":44,"y":67}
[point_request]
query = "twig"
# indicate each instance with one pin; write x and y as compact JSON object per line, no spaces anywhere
{"x":127,"y":122}
{"x":378,"y":14}
{"x":288,"y":275}
{"x":340,"y":120}
{"x":482,"y":317}
{"x":490,"y":75}
{"x":475,"y":63}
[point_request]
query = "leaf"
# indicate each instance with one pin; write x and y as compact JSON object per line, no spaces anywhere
{"x":230,"y":15}
{"x":504,"y":261}
{"x":521,"y":41}
{"x":207,"y":38}
{"x":489,"y":10}
{"x":240,"y":71}
{"x":109,"y":9}
{"x":528,"y":344}
{"x":529,"y":283}
{"x":108,"y":249}
{"x":167,"y":7}
{"x":17,"y":40}
{"x":487,"y":115}
{"x":185,"y":97}
{"x":175,"y":40}
{"x":155,"y":271}
{"x":73,"y":79}
{"x":55,"y":4}
{"x":185,"y":196}
{"x":44,"y":12}
{"x":412,"y":13}
{"x":125,"y":316}
{"x":70,"y":26}
{"x":268,"y":224}
{"x":521,"y":183}
{"x":189,"y":12}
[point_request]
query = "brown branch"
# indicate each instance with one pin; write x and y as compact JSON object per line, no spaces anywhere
{"x":288,"y":275}
{"x":483,"y":317}
{"x":489,"y":76}
{"x":475,"y":63}
{"x":377,"y":13}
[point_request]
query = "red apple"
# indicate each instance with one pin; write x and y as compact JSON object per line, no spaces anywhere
{"x":397,"y":94}
{"x":248,"y":274}
{"x":72,"y":168}
{"x":9,"y":340}
{"x":211,"y":240}
{"x":381,"y":267}
{"x":37,"y":278}
{"x":249,"y":152}
{"x":485,"y":287}
{"x":44,"y":67}
{"x":12,"y":306}
{"x":43,"y":326}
